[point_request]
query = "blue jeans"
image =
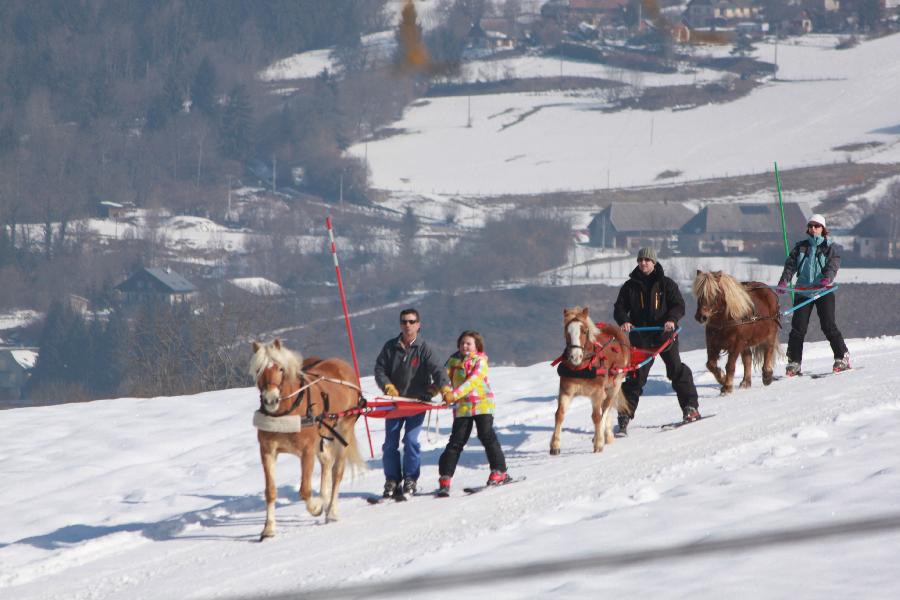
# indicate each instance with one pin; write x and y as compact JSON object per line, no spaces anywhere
{"x":390,"y":453}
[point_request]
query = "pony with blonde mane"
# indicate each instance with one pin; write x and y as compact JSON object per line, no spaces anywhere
{"x":595,"y":359}
{"x":298,"y":403}
{"x":741,"y":319}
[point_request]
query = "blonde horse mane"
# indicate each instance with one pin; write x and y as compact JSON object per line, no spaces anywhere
{"x":275,"y":352}
{"x":708,"y":286}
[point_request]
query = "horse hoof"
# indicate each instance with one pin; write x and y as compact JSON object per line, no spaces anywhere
{"x":745,"y":385}
{"x":725,"y":391}
{"x":265,"y":535}
{"x":554,"y":451}
{"x":600,"y":449}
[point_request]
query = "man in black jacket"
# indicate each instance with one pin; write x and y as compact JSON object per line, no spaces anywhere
{"x":650,"y":299}
{"x":406,"y":367}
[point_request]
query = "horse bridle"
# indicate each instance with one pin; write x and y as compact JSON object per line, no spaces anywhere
{"x":309,"y":418}
{"x":596,"y":348}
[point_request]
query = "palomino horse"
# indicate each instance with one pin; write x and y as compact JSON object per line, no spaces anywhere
{"x":295,"y":398}
{"x":595,"y":358}
{"x":741,"y":319}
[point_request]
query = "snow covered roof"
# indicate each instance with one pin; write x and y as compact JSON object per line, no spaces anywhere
{"x":647,"y":216}
{"x":258,"y":286}
{"x":748,"y":218}
{"x":25,"y":358}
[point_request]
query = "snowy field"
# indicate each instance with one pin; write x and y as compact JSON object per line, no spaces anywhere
{"x":162,"y":497}
{"x":554,"y":141}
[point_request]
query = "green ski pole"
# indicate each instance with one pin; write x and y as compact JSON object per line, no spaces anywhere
{"x":787,"y":250}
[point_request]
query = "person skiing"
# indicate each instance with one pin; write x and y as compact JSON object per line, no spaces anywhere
{"x":815,"y":260}
{"x":650,"y":299}
{"x":406,"y":367}
{"x":473,"y":403}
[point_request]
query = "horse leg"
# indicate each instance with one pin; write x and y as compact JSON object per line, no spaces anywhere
{"x":769,"y":363}
{"x":562,"y":405}
{"x":712,"y":363}
{"x":613,"y":396}
{"x":747,"y":358}
{"x":313,"y":503}
{"x":728,"y":385}
{"x":597,"y":416}
{"x":268,"y":462}
{"x":326,"y":463}
{"x":337,"y":474}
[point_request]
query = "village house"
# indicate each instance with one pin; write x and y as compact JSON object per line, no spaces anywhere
{"x":483,"y":42}
{"x":708,"y":14}
{"x":113,"y":210}
{"x":596,"y":13}
{"x":631,"y":225}
{"x":16,"y":364}
{"x":740,"y":228}
{"x":878,"y":236}
{"x":156,"y":284}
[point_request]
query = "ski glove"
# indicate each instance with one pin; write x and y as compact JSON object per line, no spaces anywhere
{"x":782,"y":287}
{"x":447,"y":395}
{"x":391,"y":390}
{"x":825,"y":282}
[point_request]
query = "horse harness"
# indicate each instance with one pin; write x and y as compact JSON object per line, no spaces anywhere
{"x":590,"y":368}
{"x":309,"y":418}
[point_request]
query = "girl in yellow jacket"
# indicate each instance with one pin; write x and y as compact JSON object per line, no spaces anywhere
{"x":473,"y":404}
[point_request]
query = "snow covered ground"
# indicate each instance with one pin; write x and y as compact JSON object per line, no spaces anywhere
{"x":162,"y":497}
{"x":552,"y":141}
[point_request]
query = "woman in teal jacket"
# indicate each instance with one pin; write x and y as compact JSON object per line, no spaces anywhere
{"x":815,"y":261}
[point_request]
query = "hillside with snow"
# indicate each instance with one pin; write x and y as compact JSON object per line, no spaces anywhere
{"x":531,"y":143}
{"x":162,"y":497}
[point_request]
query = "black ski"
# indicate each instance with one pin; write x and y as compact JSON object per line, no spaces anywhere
{"x":481,"y":488}
{"x":818,"y":375}
{"x":677,"y":424}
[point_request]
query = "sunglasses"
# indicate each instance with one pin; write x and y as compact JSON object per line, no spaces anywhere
{"x":409,"y":321}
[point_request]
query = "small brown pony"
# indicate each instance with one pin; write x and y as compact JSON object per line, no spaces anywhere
{"x":605,"y":349}
{"x":742,"y":319}
{"x":293,"y":396}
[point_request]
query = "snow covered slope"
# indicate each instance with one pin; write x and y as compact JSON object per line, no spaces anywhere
{"x":534,"y":143}
{"x":162,"y":497}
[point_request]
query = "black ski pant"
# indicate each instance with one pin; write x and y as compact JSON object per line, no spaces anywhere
{"x":800,"y":323}
{"x":678,"y":373}
{"x":459,"y":435}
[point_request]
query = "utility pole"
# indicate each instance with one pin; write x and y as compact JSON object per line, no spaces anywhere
{"x":274,"y":165}
{"x":468,"y":111}
{"x":228,"y":210}
{"x":341,"y":191}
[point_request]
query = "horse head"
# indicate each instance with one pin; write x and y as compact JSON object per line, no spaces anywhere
{"x":719,"y":293}
{"x":709,"y":299}
{"x":579,"y":331}
{"x":276,"y":371}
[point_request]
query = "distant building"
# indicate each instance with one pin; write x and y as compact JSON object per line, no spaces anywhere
{"x":878,"y":236}
{"x":594,"y":12}
{"x":739,"y":228}
{"x":483,"y":42}
{"x":113,"y":210}
{"x":631,"y":225}
{"x":154,"y":283}
{"x":716,"y":13}
{"x":16,"y":364}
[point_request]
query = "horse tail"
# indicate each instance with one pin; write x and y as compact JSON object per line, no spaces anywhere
{"x":354,"y":457}
{"x":620,"y":402}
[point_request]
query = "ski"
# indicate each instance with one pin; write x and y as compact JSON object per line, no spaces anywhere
{"x":677,"y":424}
{"x":818,"y":375}
{"x":481,"y":488}
{"x":396,"y":497}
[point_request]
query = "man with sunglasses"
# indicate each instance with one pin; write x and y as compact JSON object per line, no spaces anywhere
{"x":650,"y":299}
{"x":815,"y":260}
{"x":406,"y":367}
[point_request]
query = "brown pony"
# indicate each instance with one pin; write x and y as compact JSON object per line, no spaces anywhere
{"x":741,"y":319}
{"x":294,"y":395}
{"x":605,"y":349}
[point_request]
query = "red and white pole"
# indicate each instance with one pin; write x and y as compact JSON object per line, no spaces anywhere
{"x":340,"y":282}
